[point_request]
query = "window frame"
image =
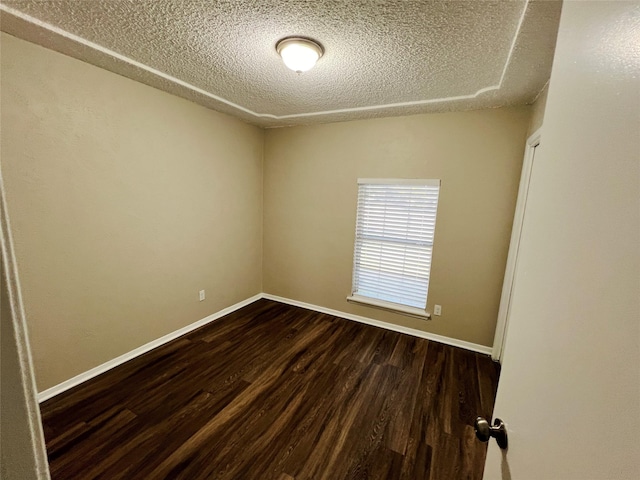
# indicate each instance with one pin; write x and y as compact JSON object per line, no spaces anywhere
{"x":384,"y":304}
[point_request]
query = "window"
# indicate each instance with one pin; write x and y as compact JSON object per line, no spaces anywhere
{"x":395,"y":226}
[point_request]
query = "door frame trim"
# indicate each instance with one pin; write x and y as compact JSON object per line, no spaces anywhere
{"x":516,"y":232}
{"x":34,"y":462}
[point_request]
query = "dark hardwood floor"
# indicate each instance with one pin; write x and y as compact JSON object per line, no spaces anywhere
{"x":278,"y":392}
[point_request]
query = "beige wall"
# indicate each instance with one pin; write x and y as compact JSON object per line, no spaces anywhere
{"x":570,"y":384}
{"x":537,"y":111}
{"x":310,"y":208}
{"x":125,"y":201}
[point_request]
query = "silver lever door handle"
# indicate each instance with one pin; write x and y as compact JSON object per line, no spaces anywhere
{"x":484,"y":431}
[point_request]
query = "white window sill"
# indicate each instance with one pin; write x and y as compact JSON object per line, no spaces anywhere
{"x":389,"y":306}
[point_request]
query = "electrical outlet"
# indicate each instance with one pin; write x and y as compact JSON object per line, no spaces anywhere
{"x":437,"y":310}
{"x":201,"y":295}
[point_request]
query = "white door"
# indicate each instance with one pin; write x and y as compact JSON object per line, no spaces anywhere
{"x":514,"y":247}
{"x":569,"y":390}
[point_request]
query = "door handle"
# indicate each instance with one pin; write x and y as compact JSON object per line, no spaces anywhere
{"x":484,"y":431}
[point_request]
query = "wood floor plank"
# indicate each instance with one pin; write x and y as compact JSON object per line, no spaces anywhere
{"x":278,"y":392}
{"x":412,"y":366}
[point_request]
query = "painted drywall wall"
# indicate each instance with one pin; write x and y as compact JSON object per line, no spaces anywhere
{"x":22,"y":451}
{"x":570,"y":383}
{"x":537,"y":111}
{"x":310,"y":190}
{"x":125,"y":202}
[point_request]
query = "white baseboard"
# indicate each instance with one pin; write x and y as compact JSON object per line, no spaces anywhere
{"x":94,"y":372}
{"x":474,"y":347}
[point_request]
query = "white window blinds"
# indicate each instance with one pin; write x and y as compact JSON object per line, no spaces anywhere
{"x":395,"y":226}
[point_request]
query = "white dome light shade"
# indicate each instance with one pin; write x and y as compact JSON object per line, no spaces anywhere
{"x":299,"y":54}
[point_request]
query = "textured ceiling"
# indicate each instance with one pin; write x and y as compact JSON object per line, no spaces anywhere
{"x":381,"y":57}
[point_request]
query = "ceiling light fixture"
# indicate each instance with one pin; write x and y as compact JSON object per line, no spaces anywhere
{"x":299,"y":54}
